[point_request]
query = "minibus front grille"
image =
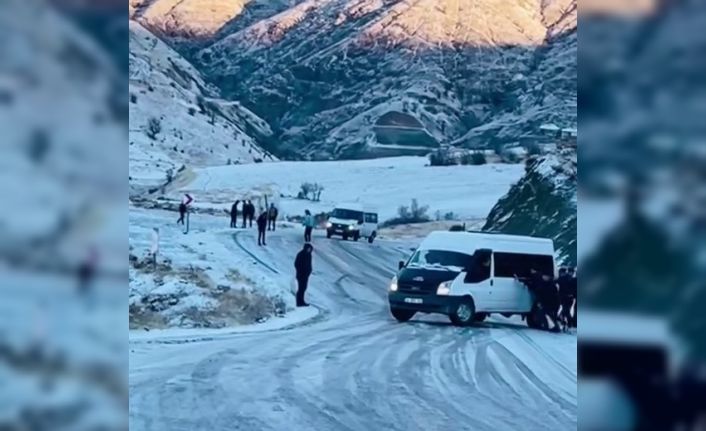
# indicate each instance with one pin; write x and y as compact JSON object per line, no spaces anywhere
{"x":415,"y":289}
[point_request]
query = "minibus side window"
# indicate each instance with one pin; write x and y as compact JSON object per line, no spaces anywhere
{"x":510,"y":264}
{"x":480,"y":268}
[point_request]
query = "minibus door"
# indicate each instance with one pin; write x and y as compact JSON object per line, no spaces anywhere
{"x":479,"y":282}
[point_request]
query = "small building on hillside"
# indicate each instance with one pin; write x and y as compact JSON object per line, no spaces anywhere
{"x":550,"y":130}
{"x":569,"y":137}
{"x":566,"y":136}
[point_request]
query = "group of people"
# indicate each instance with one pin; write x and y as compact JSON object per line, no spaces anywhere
{"x":556,"y":297}
{"x":247,"y":211}
{"x":266,"y":221}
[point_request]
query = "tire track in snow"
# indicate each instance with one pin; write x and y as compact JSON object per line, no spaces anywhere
{"x":560,"y":366}
{"x":373,"y":262}
{"x":251,"y":254}
{"x":354,"y":369}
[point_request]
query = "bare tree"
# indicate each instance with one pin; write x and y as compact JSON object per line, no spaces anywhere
{"x":154,"y":127}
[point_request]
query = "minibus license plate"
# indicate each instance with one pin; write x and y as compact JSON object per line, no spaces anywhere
{"x":413,"y":300}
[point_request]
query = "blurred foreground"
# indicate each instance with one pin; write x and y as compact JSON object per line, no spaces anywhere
{"x":641,"y":248}
{"x":63,"y":113}
{"x":63,"y":223}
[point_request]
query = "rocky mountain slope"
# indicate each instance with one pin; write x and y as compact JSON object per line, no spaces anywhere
{"x":63,"y":120}
{"x":543,"y":203}
{"x":177,"y":118}
{"x":192,"y":24}
{"x":364,"y":78}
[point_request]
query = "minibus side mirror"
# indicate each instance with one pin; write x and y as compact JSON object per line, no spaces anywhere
{"x":400,"y":265}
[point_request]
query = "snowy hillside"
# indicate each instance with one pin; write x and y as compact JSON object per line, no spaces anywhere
{"x":467,"y":191}
{"x":58,"y":170}
{"x":543,"y":203}
{"x":176,"y":118}
{"x":348,"y":352}
{"x":63,"y":118}
{"x":350,"y":79}
{"x":190,"y":24}
{"x":205,"y":278}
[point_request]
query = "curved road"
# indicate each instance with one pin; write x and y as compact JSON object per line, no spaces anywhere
{"x":356,"y":368}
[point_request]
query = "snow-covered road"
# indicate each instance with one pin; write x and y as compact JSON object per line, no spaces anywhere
{"x":352,"y":367}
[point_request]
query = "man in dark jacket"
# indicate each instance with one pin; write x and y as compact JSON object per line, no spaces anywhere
{"x":303,"y":266}
{"x":566,"y":295}
{"x":573,"y":323}
{"x":234,"y":215}
{"x":272,"y":218}
{"x":533,"y":281}
{"x":251,"y":213}
{"x":261,"y":227}
{"x":549,"y":298}
{"x":543,"y":288}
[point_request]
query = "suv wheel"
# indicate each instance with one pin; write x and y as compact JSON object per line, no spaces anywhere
{"x":345,"y":237}
{"x":371,"y":238}
{"x":356,"y":236}
{"x":402,"y":315}
{"x":328,"y":233}
{"x":463,"y":313}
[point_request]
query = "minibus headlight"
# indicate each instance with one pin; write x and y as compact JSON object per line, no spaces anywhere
{"x":393,"y":284}
{"x":444,"y":288}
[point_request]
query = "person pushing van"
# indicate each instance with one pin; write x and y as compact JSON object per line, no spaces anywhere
{"x":547,"y":296}
{"x":567,"y":294}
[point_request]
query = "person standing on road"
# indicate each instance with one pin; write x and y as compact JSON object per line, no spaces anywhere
{"x":154,"y":246}
{"x":261,"y":228}
{"x":234,"y":215}
{"x":272,"y":218}
{"x":251,"y":212}
{"x":183,"y":207}
{"x":308,"y":225}
{"x":303,"y":266}
{"x":87,"y":270}
{"x":245,"y":210}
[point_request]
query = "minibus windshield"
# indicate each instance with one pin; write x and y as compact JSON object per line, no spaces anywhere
{"x":441,"y":259}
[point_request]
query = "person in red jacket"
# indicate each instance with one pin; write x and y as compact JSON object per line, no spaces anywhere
{"x":183,"y":208}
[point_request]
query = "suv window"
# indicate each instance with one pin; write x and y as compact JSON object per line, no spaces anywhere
{"x":371,"y":218}
{"x":520,"y":264}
